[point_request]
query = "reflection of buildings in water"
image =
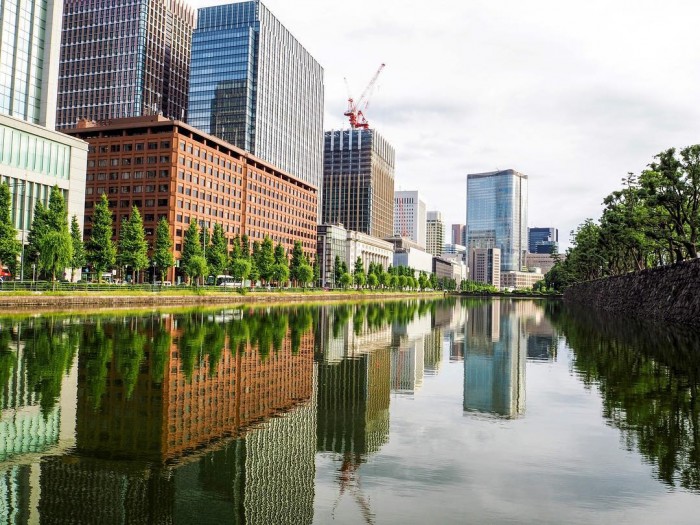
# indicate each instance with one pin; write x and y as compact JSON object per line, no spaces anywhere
{"x":408,"y":354}
{"x":265,"y":476}
{"x":494,"y":364}
{"x":455,"y":341}
{"x":29,"y":424}
{"x":433,"y":352}
{"x":541,"y":348}
{"x":353,"y":405}
{"x":338,"y":337}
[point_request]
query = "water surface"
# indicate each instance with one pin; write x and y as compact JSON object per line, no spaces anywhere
{"x":472,"y":411}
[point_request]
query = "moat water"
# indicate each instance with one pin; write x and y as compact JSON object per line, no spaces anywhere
{"x":448,"y":411}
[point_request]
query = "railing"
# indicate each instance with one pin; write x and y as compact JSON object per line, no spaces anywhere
{"x":59,"y":286}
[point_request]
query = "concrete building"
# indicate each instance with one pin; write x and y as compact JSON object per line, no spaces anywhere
{"x":334,"y":240}
{"x":459,"y":234}
{"x":410,"y":216}
{"x":255,"y":86}
{"x":33,"y":156}
{"x":124,"y":58}
{"x":167,"y":168}
{"x":460,"y":270}
{"x":485,"y":266}
{"x":434,"y":233}
{"x":455,"y":249}
{"x":409,"y":253}
{"x":520,"y":280}
{"x":497,"y":215}
{"x":542,"y":240}
{"x":358,"y":181}
{"x":543,"y":261}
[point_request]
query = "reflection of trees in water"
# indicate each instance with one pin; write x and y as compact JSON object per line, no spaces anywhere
{"x":648,"y":378}
{"x":8,"y":358}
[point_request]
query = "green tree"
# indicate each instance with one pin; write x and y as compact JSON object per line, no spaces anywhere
{"x":10,"y":247}
{"x":245,"y":246}
{"x":55,"y":245}
{"x":191,"y":248}
{"x":345,"y":280}
{"x":296,"y":262}
{"x":132,"y":249}
{"x":37,"y":231}
{"x":305,"y":274}
{"x":78,"y":260}
{"x":372,"y":280}
{"x":265,"y":259}
{"x":423,"y":281}
{"x":217,"y":252}
{"x":101,"y":254}
{"x":337,"y":270}
{"x":196,"y":267}
{"x":359,"y":279}
{"x":240,"y":269}
{"x":279,"y":273}
{"x":163,"y":249}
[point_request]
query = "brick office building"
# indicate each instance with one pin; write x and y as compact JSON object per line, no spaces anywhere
{"x":169,"y":169}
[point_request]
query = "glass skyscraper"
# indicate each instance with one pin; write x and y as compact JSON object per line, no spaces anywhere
{"x":29,"y":59}
{"x":497,"y":215}
{"x":543,"y":240}
{"x":358,"y":181}
{"x":253,"y":85}
{"x":124,"y":58}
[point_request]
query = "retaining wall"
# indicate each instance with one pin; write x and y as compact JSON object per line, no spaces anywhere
{"x":666,"y":294}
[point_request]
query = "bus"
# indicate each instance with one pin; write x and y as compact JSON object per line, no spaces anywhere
{"x":228,"y":281}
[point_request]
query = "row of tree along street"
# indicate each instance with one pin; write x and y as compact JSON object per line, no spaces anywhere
{"x":653,"y":220}
{"x":53,"y":247}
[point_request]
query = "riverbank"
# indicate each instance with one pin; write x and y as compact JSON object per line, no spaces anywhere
{"x":67,"y":301}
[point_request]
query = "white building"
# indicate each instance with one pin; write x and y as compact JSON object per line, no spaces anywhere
{"x":410,"y":216}
{"x":434,"y":233}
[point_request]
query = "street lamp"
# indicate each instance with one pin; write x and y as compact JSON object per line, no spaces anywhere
{"x":153,"y":263}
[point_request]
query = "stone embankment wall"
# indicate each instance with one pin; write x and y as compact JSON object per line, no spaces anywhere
{"x":667,"y":294}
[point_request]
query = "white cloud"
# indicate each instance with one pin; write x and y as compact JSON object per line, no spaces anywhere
{"x":574,"y":94}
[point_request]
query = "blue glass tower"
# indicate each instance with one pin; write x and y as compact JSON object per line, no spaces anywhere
{"x":253,"y":85}
{"x":497,"y":215}
{"x":543,"y":240}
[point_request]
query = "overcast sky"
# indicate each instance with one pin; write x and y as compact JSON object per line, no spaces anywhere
{"x":573,"y":94}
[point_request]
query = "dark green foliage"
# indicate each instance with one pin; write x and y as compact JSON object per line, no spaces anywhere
{"x":101,"y":253}
{"x":10,"y":247}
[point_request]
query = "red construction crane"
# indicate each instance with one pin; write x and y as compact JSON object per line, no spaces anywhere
{"x":355,"y":112}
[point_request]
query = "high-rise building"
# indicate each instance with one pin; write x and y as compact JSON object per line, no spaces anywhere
{"x":542,"y":240}
{"x":255,"y":86}
{"x":459,"y":234}
{"x":33,"y":156}
{"x":124,"y":58}
{"x":485,"y":266}
{"x":358,"y":181}
{"x":409,"y":216}
{"x":497,"y":215}
{"x":434,"y":233}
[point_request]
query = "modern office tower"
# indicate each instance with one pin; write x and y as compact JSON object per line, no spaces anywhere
{"x":434,"y":233}
{"x":497,"y":215}
{"x":485,"y":266}
{"x":34,"y":157}
{"x":459,"y":234}
{"x":543,"y":240}
{"x":124,"y":58}
{"x":254,"y":85}
{"x":358,"y":181}
{"x":409,"y":216}
{"x":169,"y":169}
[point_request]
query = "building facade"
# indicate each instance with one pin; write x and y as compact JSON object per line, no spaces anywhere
{"x":255,"y":86}
{"x":336,"y":241}
{"x":434,"y":233}
{"x":124,"y":58}
{"x":497,"y":215}
{"x":543,"y":261}
{"x":520,"y":280}
{"x":485,"y":266}
{"x":410,"y":216}
{"x":358,"y":181}
{"x":459,"y":234}
{"x":542,"y":240}
{"x":33,"y":156}
{"x":169,"y":169}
